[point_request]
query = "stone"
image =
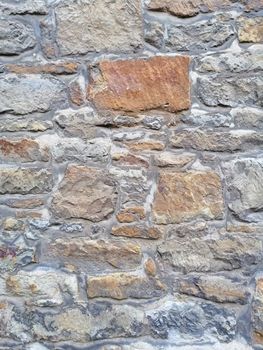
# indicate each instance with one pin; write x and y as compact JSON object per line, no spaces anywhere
{"x":196,"y":37}
{"x":131,"y":214}
{"x":22,"y":7}
{"x":86,"y":193}
{"x":257,"y":312}
{"x":130,"y":160}
{"x":212,"y":255}
{"x":47,"y":26}
{"x":112,"y":26}
{"x":11,"y":124}
{"x":245,"y":188}
{"x":154,"y":33}
{"x":170,"y":159}
{"x":12,"y":224}
{"x":56,"y":68}
{"x":77,"y":91}
{"x":113,"y":253}
{"x":42,"y":287}
{"x":186,"y":196}
{"x":15,"y":37}
{"x":221,"y":141}
{"x":150,"y":267}
{"x":146,"y":145}
{"x":25,"y":181}
{"x":250,"y":30}
{"x":22,"y":150}
{"x":157,"y":83}
{"x":136,"y":231}
{"x":251,"y":5}
{"x":30,"y":203}
{"x":215,"y":288}
{"x":124,"y":285}
{"x":231,"y":91}
{"x":31,"y":93}
{"x":248,"y":117}
{"x":215,"y":120}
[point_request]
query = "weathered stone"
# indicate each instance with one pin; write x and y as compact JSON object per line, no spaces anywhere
{"x":245,"y":188}
{"x":214,"y":288}
{"x":251,"y":5}
{"x":25,"y":180}
{"x":15,"y":37}
{"x":130,"y":160}
{"x":157,"y":82}
{"x":12,"y":123}
{"x":48,"y":35}
{"x":123,"y":286}
{"x":195,"y":37}
{"x":77,"y":91}
{"x":248,"y":117}
{"x":186,"y":196}
{"x":42,"y":287}
{"x":250,"y":30}
{"x":231,"y":92}
{"x":177,"y":160}
{"x":29,"y":203}
{"x":59,"y":67}
{"x":150,"y":267}
{"x":24,"y":7}
{"x":12,"y":224}
{"x":131,"y":214}
{"x":137,"y":231}
{"x":221,"y":141}
{"x":116,"y":254}
{"x":110,"y":26}
{"x":154,"y":33}
{"x":207,"y":119}
{"x":257,"y":312}
{"x":86,"y":193}
{"x":146,"y":145}
{"x":22,"y":150}
{"x":26,"y":94}
{"x":198,"y":255}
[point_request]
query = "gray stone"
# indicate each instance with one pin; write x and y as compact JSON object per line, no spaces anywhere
{"x":208,"y":119}
{"x":15,"y":37}
{"x":86,"y":26}
{"x":21,"y":7}
{"x":245,"y":188}
{"x":248,"y":117}
{"x":30,"y":93}
{"x":154,"y":33}
{"x":257,"y":311}
{"x":231,"y":91}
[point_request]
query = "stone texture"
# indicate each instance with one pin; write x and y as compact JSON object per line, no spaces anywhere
{"x":245,"y":188}
{"x":221,"y":141}
{"x":12,"y":124}
{"x":231,"y":91}
{"x":186,"y":196}
{"x":131,"y":214}
{"x":116,"y":254}
{"x":136,"y":231}
{"x":204,"y":119}
{"x":85,"y":193}
{"x":113,"y":26}
{"x":177,"y":160}
{"x":257,"y":312}
{"x":56,"y":68}
{"x":211,"y":255}
{"x":248,"y":117}
{"x":142,"y":84}
{"x":42,"y":287}
{"x":25,"y":180}
{"x":15,"y":37}
{"x":24,"y":7}
{"x":250,"y":30}
{"x":30,"y":93}
{"x":124,"y":285}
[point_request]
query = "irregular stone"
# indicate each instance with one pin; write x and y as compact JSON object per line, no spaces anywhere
{"x":177,"y":160}
{"x":231,"y":91}
{"x":250,"y":30}
{"x":196,"y":37}
{"x":77,"y":91}
{"x":208,"y":119}
{"x":150,"y":267}
{"x":42,"y":287}
{"x":157,"y":83}
{"x":137,"y":231}
{"x":207,"y":140}
{"x":251,"y":5}
{"x":247,"y":117}
{"x":28,"y":93}
{"x":29,"y":203}
{"x":116,"y":254}
{"x":131,"y":214}
{"x":22,"y":150}
{"x":60,"y":67}
{"x":231,"y":62}
{"x":15,"y":37}
{"x":25,"y":180}
{"x":24,"y":6}
{"x":48,"y":34}
{"x":12,"y":224}
{"x":214,"y":288}
{"x":186,"y":196}
{"x":124,"y":285}
{"x":245,"y":188}
{"x":146,"y":145}
{"x":11,"y":124}
{"x":109,"y":26}
{"x":257,"y":312}
{"x":154,"y":33}
{"x":154,"y":123}
{"x":198,"y":255}
{"x":130,"y":159}
{"x":86,"y":193}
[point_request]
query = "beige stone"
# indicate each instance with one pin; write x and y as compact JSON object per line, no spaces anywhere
{"x":136,"y":231}
{"x":250,"y":30}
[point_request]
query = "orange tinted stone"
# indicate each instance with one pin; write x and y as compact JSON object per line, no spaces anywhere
{"x":142,"y":84}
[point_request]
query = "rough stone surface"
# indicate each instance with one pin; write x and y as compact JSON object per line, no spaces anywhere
{"x":257,"y":312}
{"x":114,"y":26}
{"x":185,"y":196}
{"x":250,"y":30}
{"x":136,"y":232}
{"x":24,"y":7}
{"x":134,"y":85}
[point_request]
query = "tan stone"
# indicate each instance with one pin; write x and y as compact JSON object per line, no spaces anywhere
{"x":146,"y":145}
{"x":150,"y":267}
{"x":45,"y":68}
{"x":123,"y":286}
{"x":142,"y":84}
{"x":131,"y":214}
{"x":29,"y":203}
{"x":185,"y":196}
{"x":250,"y":30}
{"x":169,"y":159}
{"x":136,"y":232}
{"x":117,"y":254}
{"x":130,"y":159}
{"x":86,"y":193}
{"x":257,"y":312}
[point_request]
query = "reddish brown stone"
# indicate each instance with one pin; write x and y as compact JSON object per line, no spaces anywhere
{"x":29,"y":203}
{"x":136,"y":232}
{"x":131,"y":214}
{"x":77,"y":92}
{"x":142,"y":84}
{"x":130,"y":159}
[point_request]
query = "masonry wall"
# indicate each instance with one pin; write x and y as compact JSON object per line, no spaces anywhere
{"x":131,"y":174}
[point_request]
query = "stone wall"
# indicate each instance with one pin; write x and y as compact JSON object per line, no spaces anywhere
{"x":131,"y":176}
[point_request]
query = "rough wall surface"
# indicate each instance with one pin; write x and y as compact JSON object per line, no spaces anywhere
{"x":131,"y":174}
